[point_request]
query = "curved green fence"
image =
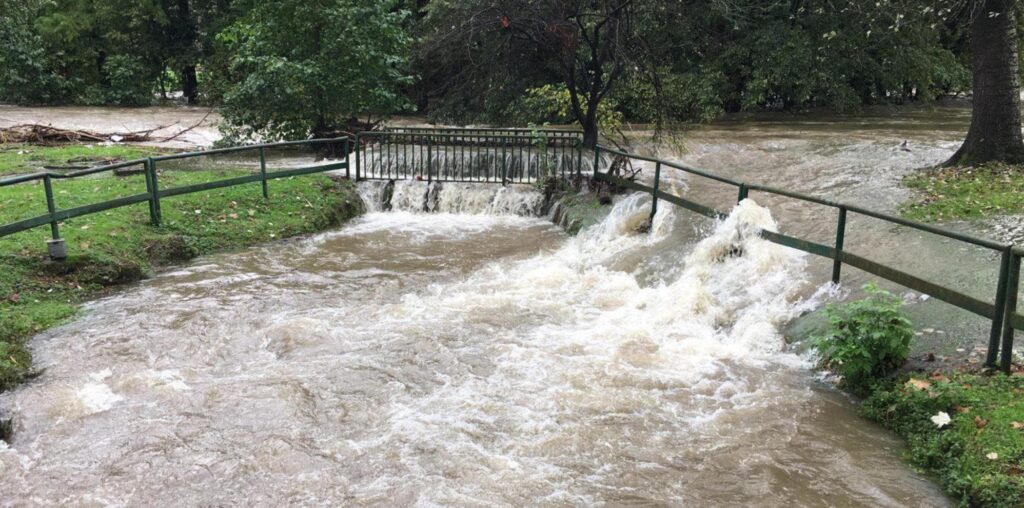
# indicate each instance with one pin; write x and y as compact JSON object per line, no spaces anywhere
{"x":154,"y":193}
{"x":1002,"y":310}
{"x":417,"y":148}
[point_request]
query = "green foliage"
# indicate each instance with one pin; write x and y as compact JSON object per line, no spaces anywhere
{"x":866,"y":340}
{"x":702,"y":59}
{"x":129,"y":82}
{"x":552,"y":104}
{"x":28,"y":69}
{"x":979,"y":455}
{"x":967,"y":192}
{"x":685,"y":97}
{"x":307,"y":67}
{"x":838,"y":55}
{"x":119,"y":245}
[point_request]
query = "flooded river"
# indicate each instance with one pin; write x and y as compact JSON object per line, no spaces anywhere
{"x":483,"y":358}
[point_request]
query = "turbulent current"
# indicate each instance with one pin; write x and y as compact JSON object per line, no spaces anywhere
{"x":466,"y":357}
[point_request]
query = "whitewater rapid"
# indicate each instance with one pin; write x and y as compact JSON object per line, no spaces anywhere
{"x":454,"y":359}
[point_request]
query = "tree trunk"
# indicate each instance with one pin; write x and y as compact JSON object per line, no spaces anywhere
{"x":589,"y":123}
{"x":589,"y":133}
{"x":189,"y":83}
{"x":995,"y":133}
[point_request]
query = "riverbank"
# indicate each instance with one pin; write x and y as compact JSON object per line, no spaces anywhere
{"x":120,"y":246}
{"x":966,"y":429}
{"x":964,"y":425}
{"x":965,"y":192}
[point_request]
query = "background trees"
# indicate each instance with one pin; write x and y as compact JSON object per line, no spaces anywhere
{"x":290,"y":68}
{"x":685,"y":60}
{"x":301,"y":67}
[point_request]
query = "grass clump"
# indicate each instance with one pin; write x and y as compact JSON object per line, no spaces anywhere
{"x":866,"y":340}
{"x":22,"y":158}
{"x":118,"y":246}
{"x":967,"y":429}
{"x":963,"y":193}
{"x":978,"y":456}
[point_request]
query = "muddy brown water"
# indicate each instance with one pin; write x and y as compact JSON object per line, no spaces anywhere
{"x":479,"y":360}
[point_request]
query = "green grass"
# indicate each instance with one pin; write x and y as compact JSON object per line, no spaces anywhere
{"x":21,"y":158}
{"x":118,"y":246}
{"x":963,"y":193}
{"x":979,"y":456}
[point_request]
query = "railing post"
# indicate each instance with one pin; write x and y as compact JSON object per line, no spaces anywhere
{"x":263,"y":173}
{"x":579,"y":161}
{"x":51,"y":208}
{"x":504,"y":158}
{"x":348,"y":175}
{"x":597,"y":158}
{"x":837,"y":263}
{"x":154,"y":199}
{"x":654,"y":195}
{"x":1012,"y":287}
{"x":744,"y":191}
{"x":1000,"y":308}
{"x":430,"y":161}
{"x":358,"y":157}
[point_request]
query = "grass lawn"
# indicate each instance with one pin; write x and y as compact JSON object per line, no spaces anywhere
{"x":120,"y":245}
{"x":962,"y":193}
{"x":979,"y":455}
{"x":21,"y":158}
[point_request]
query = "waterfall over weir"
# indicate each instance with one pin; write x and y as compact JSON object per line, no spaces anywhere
{"x":452,"y":197}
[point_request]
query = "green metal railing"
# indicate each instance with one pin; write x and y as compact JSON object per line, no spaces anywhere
{"x":1002,"y":310}
{"x":154,"y":193}
{"x":469,"y":155}
{"x":527,"y":155}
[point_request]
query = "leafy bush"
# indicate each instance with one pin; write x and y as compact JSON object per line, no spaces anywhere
{"x":695,"y":97}
{"x":866,"y":339}
{"x":130,"y":81}
{"x":27,"y":66}
{"x":553,"y":104}
{"x":294,"y":71}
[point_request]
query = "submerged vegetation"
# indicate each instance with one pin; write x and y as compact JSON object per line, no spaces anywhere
{"x":967,"y":429}
{"x":965,"y":192}
{"x":120,"y":245}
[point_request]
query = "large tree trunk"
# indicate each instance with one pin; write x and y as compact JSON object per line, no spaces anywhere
{"x":590,"y":133}
{"x":189,"y":83}
{"x":995,"y":133}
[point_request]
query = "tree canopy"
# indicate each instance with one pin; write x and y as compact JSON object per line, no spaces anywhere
{"x":291,"y":68}
{"x":308,"y":66}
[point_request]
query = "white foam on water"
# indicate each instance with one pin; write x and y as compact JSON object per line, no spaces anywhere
{"x":555,"y":378}
{"x":600,"y":328}
{"x":453,"y":197}
{"x":97,"y":396}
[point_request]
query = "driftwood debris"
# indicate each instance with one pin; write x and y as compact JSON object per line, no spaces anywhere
{"x":38,"y":134}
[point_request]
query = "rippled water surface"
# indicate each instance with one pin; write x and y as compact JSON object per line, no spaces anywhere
{"x":480,"y":358}
{"x":461,"y":360}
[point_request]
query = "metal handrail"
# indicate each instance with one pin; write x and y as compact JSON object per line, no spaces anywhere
{"x":1003,"y":311}
{"x":421,"y":146}
{"x":153,"y":192}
